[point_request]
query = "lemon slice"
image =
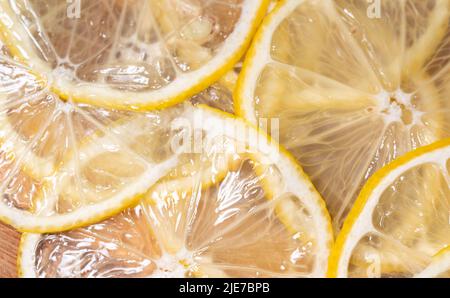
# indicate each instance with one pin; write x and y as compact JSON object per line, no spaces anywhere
{"x":52,"y":139}
{"x":130,"y":54}
{"x":401,"y":219}
{"x":97,"y":177}
{"x":346,"y":91}
{"x":439,"y":268}
{"x":230,"y":227}
{"x":75,"y":164}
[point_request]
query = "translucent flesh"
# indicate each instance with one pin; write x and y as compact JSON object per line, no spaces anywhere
{"x":229,"y":228}
{"x":93,"y":252}
{"x":379,"y":256}
{"x":128,"y":45}
{"x":20,"y":192}
{"x":352,"y":93}
{"x":410,"y":225}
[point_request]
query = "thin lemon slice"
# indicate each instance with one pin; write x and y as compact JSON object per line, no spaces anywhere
{"x":75,"y":163}
{"x":349,"y":91}
{"x":130,"y":54}
{"x":38,"y":132}
{"x":97,"y":178}
{"x":401,"y":219}
{"x":228,"y":228}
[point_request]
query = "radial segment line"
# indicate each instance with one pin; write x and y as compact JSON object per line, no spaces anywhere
{"x":118,"y":30}
{"x":77,"y":154}
{"x":352,"y":194}
{"x":111,"y":134}
{"x":299,"y":70}
{"x":239,"y":221}
{"x":41,"y":29}
{"x":26,"y":151}
{"x":119,"y":243}
{"x":331,"y":11}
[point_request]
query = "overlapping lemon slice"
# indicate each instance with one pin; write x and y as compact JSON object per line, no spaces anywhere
{"x":401,"y":220}
{"x":95,"y":168}
{"x":235,"y":225}
{"x":65,"y":164}
{"x":351,"y":85}
{"x":129,"y":54}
